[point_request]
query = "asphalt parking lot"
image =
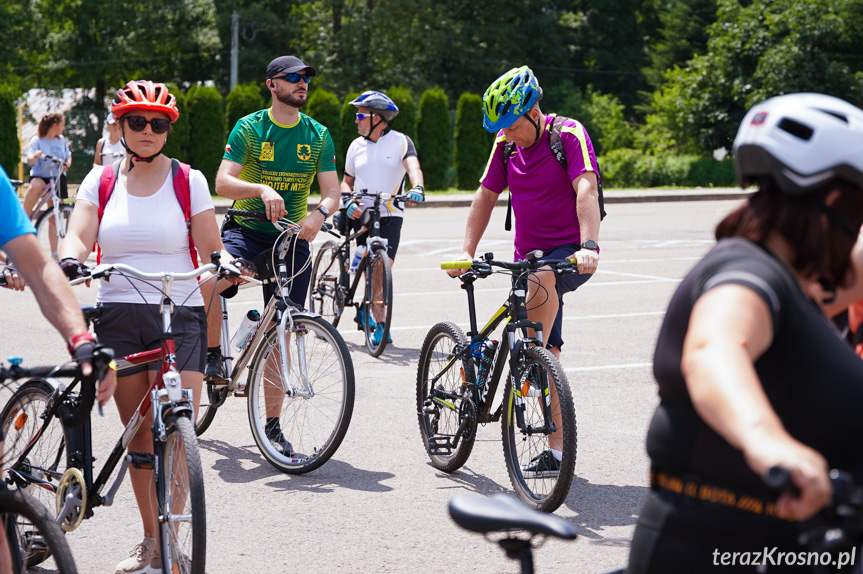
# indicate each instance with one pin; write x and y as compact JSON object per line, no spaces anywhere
{"x":378,"y":505}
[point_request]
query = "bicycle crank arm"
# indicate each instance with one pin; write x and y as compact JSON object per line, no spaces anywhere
{"x":108,"y":499}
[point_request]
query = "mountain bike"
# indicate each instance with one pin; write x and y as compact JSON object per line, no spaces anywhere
{"x":51,"y":215}
{"x":49,"y":441}
{"x":31,"y":534}
{"x":300,"y":371}
{"x":331,"y":288}
{"x":457,"y":379}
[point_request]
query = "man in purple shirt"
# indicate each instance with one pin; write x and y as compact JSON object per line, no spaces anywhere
{"x":556,"y":210}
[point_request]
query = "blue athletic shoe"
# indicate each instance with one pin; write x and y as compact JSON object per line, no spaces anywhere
{"x":379,"y":334}
{"x":360,"y":318}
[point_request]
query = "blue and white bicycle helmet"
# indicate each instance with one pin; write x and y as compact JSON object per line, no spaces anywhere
{"x":378,"y":103}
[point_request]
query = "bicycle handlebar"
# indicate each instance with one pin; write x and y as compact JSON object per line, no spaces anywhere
{"x":105,"y":270}
{"x":532,"y":262}
{"x":53,"y":158}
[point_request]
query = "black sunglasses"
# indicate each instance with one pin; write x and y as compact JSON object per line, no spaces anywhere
{"x":138,"y":123}
{"x":294,"y":77}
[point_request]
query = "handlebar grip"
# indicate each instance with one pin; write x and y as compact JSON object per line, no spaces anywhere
{"x":778,"y":478}
{"x":456,"y":265}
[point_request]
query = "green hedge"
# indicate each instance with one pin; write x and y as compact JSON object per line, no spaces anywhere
{"x":178,"y":140}
{"x":349,"y":129}
{"x":324,"y":107}
{"x":434,"y":144}
{"x":243,"y":100}
{"x":10,"y":150}
{"x":406,"y":121}
{"x":471,"y":141}
{"x":631,"y":168}
{"x":207,"y":131}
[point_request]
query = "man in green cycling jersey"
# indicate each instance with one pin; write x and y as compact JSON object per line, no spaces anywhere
{"x":271,"y":159}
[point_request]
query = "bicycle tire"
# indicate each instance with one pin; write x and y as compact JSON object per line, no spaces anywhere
{"x":314,"y":426}
{"x":180,"y":481}
{"x":43,"y":226}
{"x":437,"y":350}
{"x":544,"y":493}
{"x":326,"y":297}
{"x":380,"y":307}
{"x":212,"y":398}
{"x":46,"y":539}
{"x":21,"y":419}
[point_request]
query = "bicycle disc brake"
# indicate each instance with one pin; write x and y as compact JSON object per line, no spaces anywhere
{"x":71,"y":499}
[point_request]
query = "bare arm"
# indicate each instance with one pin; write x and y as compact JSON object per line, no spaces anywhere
{"x":49,"y":285}
{"x":330,"y":195}
{"x":730,"y":327}
{"x":97,"y":159}
{"x":347,"y":185}
{"x":587,"y":210}
{"x":477,"y":220}
{"x":82,"y":232}
{"x":415,"y":174}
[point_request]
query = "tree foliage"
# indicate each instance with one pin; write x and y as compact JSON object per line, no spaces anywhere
{"x":349,"y":128}
{"x":406,"y":121}
{"x":243,"y":100}
{"x":10,"y":151}
{"x":434,"y":145}
{"x":178,"y":140}
{"x":470,"y":141}
{"x":206,"y":131}
{"x":324,"y":107}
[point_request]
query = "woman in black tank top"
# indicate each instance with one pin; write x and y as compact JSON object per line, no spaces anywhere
{"x":751,"y":374}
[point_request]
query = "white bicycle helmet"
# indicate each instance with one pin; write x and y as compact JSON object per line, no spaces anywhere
{"x":802,"y":141}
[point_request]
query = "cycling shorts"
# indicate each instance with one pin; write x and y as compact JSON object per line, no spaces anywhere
{"x":253,"y":245}
{"x":391,"y":230}
{"x":62,"y":184}
{"x":134,"y":327}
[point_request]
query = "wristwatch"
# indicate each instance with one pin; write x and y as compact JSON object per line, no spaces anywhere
{"x":590,"y":244}
{"x":323,"y":210}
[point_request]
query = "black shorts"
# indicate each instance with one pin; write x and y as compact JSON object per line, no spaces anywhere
{"x":253,"y":246}
{"x":391,"y":230}
{"x":61,"y":183}
{"x":565,"y":284}
{"x":134,"y":327}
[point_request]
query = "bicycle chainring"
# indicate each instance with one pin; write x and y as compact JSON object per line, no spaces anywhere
{"x":467,"y":411}
{"x":73,"y":488}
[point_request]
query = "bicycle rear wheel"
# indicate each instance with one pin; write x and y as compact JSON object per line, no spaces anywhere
{"x":39,"y":472}
{"x":46,"y":235}
{"x":315,"y":419}
{"x":180,"y":492}
{"x":444,"y":404}
{"x":326,"y":296}
{"x":534,"y":477}
{"x":378,"y":302}
{"x":32,"y":534}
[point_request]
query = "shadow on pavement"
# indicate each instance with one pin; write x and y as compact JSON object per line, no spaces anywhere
{"x":393,"y":354}
{"x":602,"y":505}
{"x":334,"y":473}
{"x":468,"y":480}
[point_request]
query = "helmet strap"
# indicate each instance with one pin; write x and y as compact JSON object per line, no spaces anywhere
{"x":834,"y":216}
{"x":135,"y":157}
{"x":535,"y":124}
{"x":372,"y":126}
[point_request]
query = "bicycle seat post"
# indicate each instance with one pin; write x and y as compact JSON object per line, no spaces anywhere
{"x":521,"y":550}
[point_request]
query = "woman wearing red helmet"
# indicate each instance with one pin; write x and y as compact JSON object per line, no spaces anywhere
{"x":143,"y":225}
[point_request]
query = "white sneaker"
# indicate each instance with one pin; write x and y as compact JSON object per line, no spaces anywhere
{"x":144,"y":559}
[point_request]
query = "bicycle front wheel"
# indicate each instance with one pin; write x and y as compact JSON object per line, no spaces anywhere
{"x":299,"y":433}
{"x":539,"y":479}
{"x":443,"y":403}
{"x":50,"y":230}
{"x":326,"y":296}
{"x":180,"y":492}
{"x":378,"y":303}
{"x":39,"y":471}
{"x":33,"y":535}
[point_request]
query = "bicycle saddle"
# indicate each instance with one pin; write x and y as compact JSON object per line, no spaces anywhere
{"x":501,"y":512}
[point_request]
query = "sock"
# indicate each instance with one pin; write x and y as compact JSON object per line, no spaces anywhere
{"x":557,"y":454}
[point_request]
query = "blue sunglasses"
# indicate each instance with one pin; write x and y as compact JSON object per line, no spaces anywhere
{"x":361,"y":116}
{"x":294,"y":77}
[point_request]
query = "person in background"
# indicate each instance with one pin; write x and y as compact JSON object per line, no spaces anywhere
{"x":109,"y":149}
{"x":48,"y":140}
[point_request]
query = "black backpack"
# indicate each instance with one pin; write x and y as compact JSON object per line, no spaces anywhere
{"x":560,"y":155}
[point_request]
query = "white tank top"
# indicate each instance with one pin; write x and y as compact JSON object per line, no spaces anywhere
{"x":109,"y":149}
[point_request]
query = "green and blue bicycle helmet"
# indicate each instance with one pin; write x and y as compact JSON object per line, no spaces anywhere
{"x":509,"y":97}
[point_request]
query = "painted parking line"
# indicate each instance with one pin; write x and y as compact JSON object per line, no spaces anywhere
{"x":608,"y":367}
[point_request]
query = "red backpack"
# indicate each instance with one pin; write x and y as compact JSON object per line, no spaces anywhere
{"x":180,"y":177}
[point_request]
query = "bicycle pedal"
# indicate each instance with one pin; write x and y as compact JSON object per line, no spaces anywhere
{"x":143,"y":460}
{"x":440,"y":445}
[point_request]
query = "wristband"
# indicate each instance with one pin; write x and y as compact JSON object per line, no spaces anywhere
{"x":85,"y":336}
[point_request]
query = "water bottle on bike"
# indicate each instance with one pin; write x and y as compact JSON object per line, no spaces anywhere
{"x":358,"y":256}
{"x":483,"y":354}
{"x":246,"y":329}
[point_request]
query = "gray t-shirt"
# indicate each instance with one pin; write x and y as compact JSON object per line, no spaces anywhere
{"x":58,"y":147}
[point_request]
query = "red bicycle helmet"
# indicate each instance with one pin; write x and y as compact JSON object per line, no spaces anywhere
{"x":144,"y":95}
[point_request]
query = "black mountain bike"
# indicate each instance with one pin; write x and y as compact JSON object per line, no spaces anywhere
{"x":331,"y":290}
{"x":457,"y":379}
{"x":31,"y":534}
